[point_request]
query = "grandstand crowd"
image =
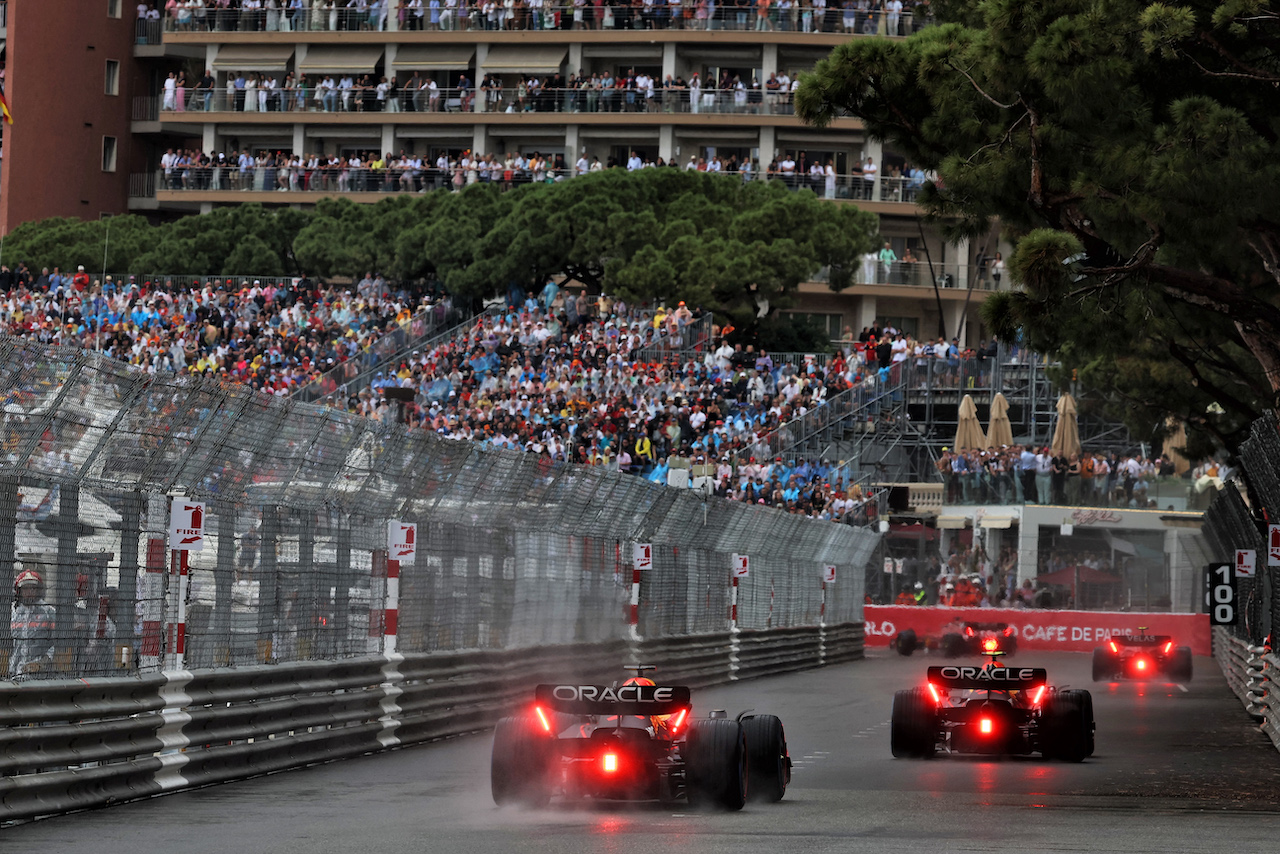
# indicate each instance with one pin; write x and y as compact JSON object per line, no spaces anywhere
{"x":572,"y":378}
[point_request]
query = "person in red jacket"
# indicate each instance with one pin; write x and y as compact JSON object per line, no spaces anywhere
{"x":80,"y":281}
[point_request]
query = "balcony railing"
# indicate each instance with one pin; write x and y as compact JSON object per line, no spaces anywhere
{"x":142,"y":185}
{"x":347,"y":178}
{"x":323,"y":16}
{"x":314,"y":98}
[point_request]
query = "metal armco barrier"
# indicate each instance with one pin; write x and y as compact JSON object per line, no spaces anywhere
{"x":1247,"y":668}
{"x":73,"y":744}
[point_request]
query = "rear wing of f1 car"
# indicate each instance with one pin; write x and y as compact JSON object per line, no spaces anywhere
{"x":620,"y":700}
{"x":994,"y":678}
{"x":1141,"y":640}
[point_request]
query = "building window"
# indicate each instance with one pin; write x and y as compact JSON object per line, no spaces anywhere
{"x":108,"y":154}
{"x":113,"y":8}
{"x":112,"y":86}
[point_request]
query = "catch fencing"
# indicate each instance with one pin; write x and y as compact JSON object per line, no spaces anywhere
{"x":284,"y":641}
{"x":514,"y":550}
{"x":1239,"y":519}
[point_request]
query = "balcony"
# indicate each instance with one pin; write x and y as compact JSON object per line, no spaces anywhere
{"x":678,"y":21}
{"x":300,"y":183}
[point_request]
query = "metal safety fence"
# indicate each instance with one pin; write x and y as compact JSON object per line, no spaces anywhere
{"x":1240,"y":519}
{"x":513,"y":550}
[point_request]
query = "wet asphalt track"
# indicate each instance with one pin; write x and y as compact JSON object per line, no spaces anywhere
{"x":1175,"y":770}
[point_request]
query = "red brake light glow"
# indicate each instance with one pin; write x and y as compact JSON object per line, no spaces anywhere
{"x":610,"y":763}
{"x":546,"y":724}
{"x":934,"y":692}
{"x":968,"y":630}
{"x":990,"y":645}
{"x":1008,"y":631}
{"x":1035,"y":701}
{"x":679,"y":721}
{"x":985,"y":726}
{"x":1168,"y":647}
{"x":1113,"y":646}
{"x":1140,"y":663}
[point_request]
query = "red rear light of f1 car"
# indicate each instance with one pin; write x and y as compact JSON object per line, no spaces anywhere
{"x":990,"y":645}
{"x":609,"y":762}
{"x":542,"y":718}
{"x":1113,"y":646}
{"x":679,"y":721}
{"x":1035,"y":700}
{"x":985,"y":726}
{"x":934,"y":692}
{"x":1140,"y":664}
{"x":1008,"y":631}
{"x":968,"y":630}
{"x":1168,"y":647}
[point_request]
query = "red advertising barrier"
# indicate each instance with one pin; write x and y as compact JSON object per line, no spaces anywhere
{"x":1060,"y":631}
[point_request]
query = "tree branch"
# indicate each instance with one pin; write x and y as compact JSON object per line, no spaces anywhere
{"x":1212,"y":389}
{"x":980,"y":90}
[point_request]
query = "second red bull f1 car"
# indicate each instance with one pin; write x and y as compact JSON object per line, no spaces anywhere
{"x":1141,"y":656}
{"x":992,"y":709}
{"x":635,"y":741}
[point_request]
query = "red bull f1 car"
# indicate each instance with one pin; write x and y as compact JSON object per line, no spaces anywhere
{"x":635,"y":741}
{"x":959,"y":639}
{"x":1141,"y":656}
{"x":992,"y":709}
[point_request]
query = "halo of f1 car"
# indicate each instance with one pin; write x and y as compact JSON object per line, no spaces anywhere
{"x":1141,"y":656}
{"x":635,"y":741}
{"x":966,"y":637}
{"x":992,"y":709}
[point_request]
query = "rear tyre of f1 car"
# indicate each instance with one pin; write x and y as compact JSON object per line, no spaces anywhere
{"x":1068,"y":726}
{"x":1180,"y":664}
{"x":715,"y":754}
{"x":913,"y":725}
{"x":1010,"y":645}
{"x":906,"y":642}
{"x":1104,"y":665}
{"x":520,"y":771}
{"x":952,"y":645}
{"x":768,"y":763}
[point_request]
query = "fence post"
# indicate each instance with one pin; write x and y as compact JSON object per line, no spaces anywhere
{"x":9,"y":503}
{"x":176,"y":610}
{"x":391,"y":622}
{"x":152,"y":605}
{"x":377,"y":600}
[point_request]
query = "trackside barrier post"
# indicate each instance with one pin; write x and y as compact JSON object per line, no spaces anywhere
{"x":152,"y":605}
{"x":828,"y":576}
{"x":740,"y":568}
{"x":641,"y":559}
{"x":391,"y":622}
{"x":377,"y":600}
{"x":176,"y":606}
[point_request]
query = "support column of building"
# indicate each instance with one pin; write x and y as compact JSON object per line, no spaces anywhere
{"x":572,"y":147}
{"x":393,"y":15}
{"x":480,"y":139}
{"x":300,"y":139}
{"x":575,"y":58}
{"x":866,"y":312}
{"x":667,"y":142}
{"x":873,"y":149}
{"x":768,"y":144}
{"x":388,"y":139}
{"x":960,"y":266}
{"x":957,"y":327}
{"x":768,"y":62}
{"x":668,"y":60}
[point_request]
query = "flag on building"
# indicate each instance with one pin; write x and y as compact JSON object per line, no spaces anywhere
{"x":4,"y":109}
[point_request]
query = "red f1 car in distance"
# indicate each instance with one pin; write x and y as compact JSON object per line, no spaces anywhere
{"x":994,"y":710}
{"x":965,"y":638}
{"x":635,"y":741}
{"x":1141,"y":656}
